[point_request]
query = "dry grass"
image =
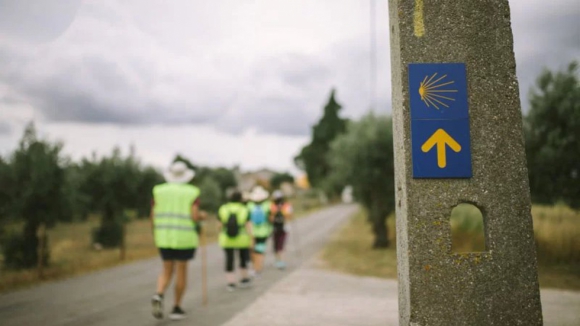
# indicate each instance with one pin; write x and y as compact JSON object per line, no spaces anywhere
{"x":349,"y":250}
{"x":71,"y":252}
{"x":556,"y":228}
{"x":557,"y":233}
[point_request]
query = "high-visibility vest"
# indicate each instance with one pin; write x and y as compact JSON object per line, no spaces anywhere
{"x":263,"y":230}
{"x":173,"y":226}
{"x":242,"y":240}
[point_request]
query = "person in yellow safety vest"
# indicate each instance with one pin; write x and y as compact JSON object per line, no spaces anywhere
{"x":259,"y":208}
{"x":280,"y":216}
{"x":235,"y":235}
{"x":174,"y":214}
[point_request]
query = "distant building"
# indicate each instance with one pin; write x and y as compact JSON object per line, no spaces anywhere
{"x":248,"y":180}
{"x":302,"y":182}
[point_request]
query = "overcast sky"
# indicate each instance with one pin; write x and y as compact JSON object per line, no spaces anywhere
{"x":222,"y":82}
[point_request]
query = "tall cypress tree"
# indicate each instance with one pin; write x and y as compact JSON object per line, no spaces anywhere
{"x":313,"y":158}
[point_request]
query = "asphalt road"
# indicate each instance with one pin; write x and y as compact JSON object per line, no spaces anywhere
{"x":121,"y":295}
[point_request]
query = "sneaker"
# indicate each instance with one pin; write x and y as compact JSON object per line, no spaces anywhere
{"x":246,"y":282}
{"x":252,"y":273}
{"x":177,"y":314}
{"x":157,"y":306}
{"x":231,"y":287}
{"x":280,"y":265}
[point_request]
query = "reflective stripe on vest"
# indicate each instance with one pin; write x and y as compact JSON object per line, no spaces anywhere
{"x":172,"y":215}
{"x":174,"y":227}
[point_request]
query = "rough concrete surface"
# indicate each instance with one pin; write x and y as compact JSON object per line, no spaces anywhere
{"x":498,"y":286}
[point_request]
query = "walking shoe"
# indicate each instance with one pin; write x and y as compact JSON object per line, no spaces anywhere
{"x":246,"y":282}
{"x":177,"y":314}
{"x":280,"y":265}
{"x":157,"y":306}
{"x":231,"y":287}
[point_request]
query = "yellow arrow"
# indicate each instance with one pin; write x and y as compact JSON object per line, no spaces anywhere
{"x":441,"y":138}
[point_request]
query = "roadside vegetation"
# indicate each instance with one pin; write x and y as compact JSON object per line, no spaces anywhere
{"x":73,"y":253}
{"x":556,"y":229}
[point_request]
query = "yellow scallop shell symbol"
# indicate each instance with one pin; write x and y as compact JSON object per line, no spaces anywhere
{"x":436,"y":92}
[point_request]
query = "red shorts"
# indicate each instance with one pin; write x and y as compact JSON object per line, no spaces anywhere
{"x":279,"y":240}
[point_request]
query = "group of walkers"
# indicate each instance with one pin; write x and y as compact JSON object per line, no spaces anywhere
{"x":245,"y":226}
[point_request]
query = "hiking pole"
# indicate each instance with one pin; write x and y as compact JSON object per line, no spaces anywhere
{"x":203,"y":268}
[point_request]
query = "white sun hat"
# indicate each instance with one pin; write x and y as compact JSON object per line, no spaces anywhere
{"x":278,"y":194}
{"x":259,"y":194}
{"x":178,"y":173}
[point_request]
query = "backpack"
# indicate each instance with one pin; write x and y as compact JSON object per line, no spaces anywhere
{"x":232,"y":227}
{"x":279,"y":219}
{"x":258,"y":215}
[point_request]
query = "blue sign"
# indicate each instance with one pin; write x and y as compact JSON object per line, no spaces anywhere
{"x":441,"y":148}
{"x":439,"y":120}
{"x":438,"y":91}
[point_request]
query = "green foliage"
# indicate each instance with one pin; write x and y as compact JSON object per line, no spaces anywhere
{"x":109,"y":234}
{"x":224,"y":177}
{"x":552,"y":131}
{"x":20,"y":250}
{"x":363,"y":158}
{"x":279,"y":178}
{"x":35,"y":174}
{"x":211,"y":197}
{"x":207,"y":179}
{"x":313,"y":157}
{"x":5,"y":188}
{"x":112,"y":185}
{"x":148,"y":178}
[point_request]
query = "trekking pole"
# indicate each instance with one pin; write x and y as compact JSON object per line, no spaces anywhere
{"x":203,"y":268}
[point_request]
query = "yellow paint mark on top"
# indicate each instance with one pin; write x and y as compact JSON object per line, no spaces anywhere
{"x":419,"y":26}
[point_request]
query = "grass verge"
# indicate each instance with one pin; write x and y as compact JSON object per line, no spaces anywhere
{"x":349,"y":250}
{"x":72,"y":253}
{"x":556,"y":229}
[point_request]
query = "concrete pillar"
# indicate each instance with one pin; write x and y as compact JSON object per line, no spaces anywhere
{"x":477,"y":158}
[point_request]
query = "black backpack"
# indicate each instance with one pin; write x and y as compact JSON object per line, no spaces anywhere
{"x":279,"y":219}
{"x":232,"y":227}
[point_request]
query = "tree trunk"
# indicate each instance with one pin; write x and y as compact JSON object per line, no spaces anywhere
{"x":41,"y":249}
{"x":30,"y":249}
{"x":123,"y":239}
{"x":381,"y":234}
{"x":379,"y":217}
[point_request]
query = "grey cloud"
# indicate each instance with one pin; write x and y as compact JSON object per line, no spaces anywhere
{"x":5,"y":129}
{"x":544,"y":37}
{"x":105,"y":70}
{"x":34,"y":20}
